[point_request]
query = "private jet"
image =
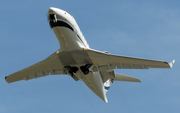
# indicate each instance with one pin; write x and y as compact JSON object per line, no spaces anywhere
{"x":76,"y":59}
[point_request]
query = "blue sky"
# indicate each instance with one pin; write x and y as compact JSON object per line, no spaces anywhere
{"x":145,"y":29}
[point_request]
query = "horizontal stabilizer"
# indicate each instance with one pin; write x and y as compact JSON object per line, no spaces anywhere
{"x":120,"y":77}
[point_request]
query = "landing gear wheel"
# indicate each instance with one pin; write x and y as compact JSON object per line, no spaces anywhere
{"x":86,"y":72}
{"x":72,"y":69}
{"x":84,"y":69}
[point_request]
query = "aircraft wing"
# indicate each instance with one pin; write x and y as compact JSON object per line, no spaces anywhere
{"x":49,"y":66}
{"x":106,"y":61}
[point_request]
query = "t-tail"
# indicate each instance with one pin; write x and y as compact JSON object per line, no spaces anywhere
{"x":118,"y":77}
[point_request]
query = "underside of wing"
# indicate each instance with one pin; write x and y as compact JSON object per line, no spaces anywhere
{"x":105,"y":61}
{"x":49,"y":66}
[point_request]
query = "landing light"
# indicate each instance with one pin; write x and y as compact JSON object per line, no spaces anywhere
{"x":84,"y":49}
{"x":57,"y":52}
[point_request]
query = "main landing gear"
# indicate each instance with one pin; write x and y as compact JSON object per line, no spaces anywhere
{"x":72,"y":70}
{"x":85,"y":69}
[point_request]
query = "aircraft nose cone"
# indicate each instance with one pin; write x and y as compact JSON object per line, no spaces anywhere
{"x":51,"y":10}
{"x":55,"y":10}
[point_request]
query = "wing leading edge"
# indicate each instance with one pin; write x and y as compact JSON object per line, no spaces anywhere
{"x":49,"y":66}
{"x":105,"y":61}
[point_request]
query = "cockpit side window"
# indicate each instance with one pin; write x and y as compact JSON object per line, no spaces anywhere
{"x":52,"y":18}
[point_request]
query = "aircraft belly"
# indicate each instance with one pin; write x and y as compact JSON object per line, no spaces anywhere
{"x":68,"y":39}
{"x":94,"y":81}
{"x":74,"y":58}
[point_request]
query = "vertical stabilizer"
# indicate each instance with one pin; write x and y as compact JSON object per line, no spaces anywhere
{"x":107,"y":84}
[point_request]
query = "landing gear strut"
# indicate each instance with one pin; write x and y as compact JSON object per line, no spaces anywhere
{"x":72,"y":70}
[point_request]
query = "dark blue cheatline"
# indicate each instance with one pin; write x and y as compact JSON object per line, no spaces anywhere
{"x":107,"y":88}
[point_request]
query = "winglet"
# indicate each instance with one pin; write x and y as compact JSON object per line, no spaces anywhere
{"x":171,"y":64}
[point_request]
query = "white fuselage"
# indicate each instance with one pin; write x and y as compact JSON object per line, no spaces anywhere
{"x":71,"y":40}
